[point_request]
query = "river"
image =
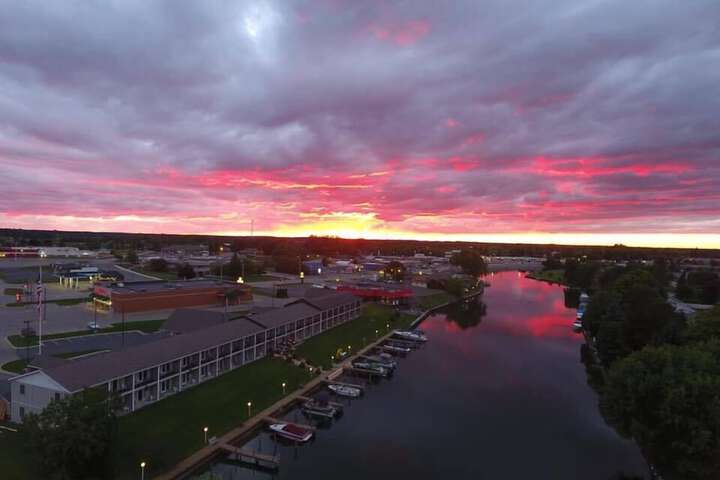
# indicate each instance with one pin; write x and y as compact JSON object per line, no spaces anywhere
{"x":497,"y":393}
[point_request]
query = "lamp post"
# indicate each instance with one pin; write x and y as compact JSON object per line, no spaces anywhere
{"x":221,"y":263}
{"x":142,"y":470}
{"x":205,"y":430}
{"x":249,"y":405}
{"x":283,"y":385}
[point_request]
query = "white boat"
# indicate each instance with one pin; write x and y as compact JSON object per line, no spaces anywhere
{"x":394,"y":348}
{"x":292,"y":432}
{"x":345,"y":391}
{"x":373,"y":367}
{"x":410,"y":335}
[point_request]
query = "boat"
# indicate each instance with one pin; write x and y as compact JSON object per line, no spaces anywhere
{"x":373,"y":367}
{"x":395,"y":348}
{"x":410,"y":335}
{"x":384,"y":360}
{"x":292,"y":432}
{"x":319,"y":408}
{"x":345,"y":390}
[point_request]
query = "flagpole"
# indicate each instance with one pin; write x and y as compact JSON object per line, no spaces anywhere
{"x":40,"y":312}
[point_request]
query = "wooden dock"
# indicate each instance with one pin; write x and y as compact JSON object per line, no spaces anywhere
{"x":332,"y":404}
{"x":249,"y":456}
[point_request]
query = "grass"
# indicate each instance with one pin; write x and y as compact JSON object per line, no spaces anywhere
{"x":431,"y":301}
{"x":169,"y":276}
{"x":15,"y":366}
{"x":13,"y":291}
{"x":166,"y":432}
{"x":147,"y":326}
{"x":16,"y":460}
{"x":57,"y":301}
{"x":552,"y":276}
{"x":18,"y":366}
{"x":356,"y":333}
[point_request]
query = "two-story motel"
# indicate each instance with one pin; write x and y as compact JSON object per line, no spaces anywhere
{"x":144,"y":374}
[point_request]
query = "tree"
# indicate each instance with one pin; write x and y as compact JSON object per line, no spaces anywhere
{"x":455,"y":287}
{"x":667,"y":399}
{"x":470,"y":261}
{"x":186,"y":271}
{"x":158,"y":265}
{"x":394,"y":271}
{"x":74,"y":436}
{"x":131,"y":257}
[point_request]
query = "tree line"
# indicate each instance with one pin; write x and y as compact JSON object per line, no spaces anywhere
{"x":657,"y":373}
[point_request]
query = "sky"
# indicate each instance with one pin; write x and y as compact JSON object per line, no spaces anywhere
{"x":566,"y":121}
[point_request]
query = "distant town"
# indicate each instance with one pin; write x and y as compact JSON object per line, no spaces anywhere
{"x":153,"y":325}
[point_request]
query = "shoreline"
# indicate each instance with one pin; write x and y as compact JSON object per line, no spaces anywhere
{"x":200,"y":458}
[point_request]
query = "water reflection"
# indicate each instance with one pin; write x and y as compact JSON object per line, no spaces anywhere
{"x":466,"y":314}
{"x":495,"y":393}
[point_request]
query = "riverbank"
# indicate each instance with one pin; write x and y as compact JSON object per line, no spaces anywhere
{"x":367,"y":323}
{"x":550,"y":276}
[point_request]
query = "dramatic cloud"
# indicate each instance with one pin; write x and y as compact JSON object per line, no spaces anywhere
{"x":594,"y":121}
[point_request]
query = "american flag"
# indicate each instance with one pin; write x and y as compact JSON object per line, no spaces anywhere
{"x":40,"y":292}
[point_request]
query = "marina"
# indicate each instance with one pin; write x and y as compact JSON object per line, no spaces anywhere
{"x":534,"y":404}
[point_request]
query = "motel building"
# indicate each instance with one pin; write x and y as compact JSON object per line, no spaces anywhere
{"x":204,"y":345}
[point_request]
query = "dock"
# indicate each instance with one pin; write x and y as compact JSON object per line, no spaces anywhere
{"x":332,"y":404}
{"x":207,"y":453}
{"x":249,"y":456}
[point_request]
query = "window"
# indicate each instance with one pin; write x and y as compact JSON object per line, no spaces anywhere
{"x":22,"y":389}
{"x":22,"y":413}
{"x":57,"y":397}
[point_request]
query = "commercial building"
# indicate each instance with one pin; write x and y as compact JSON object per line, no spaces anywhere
{"x":390,"y":293}
{"x":144,"y":374}
{"x":132,"y":297}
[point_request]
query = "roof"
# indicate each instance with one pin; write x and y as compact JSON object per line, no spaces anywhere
{"x":44,"y":362}
{"x":281,"y":316}
{"x":325,"y":298}
{"x":91,"y":371}
{"x":161,"y":285}
{"x":185,"y":320}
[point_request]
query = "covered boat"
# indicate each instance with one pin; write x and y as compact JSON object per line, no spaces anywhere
{"x":292,"y":432}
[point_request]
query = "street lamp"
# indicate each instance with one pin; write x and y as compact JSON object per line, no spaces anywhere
{"x":205,"y":430}
{"x":283,"y":385}
{"x":142,"y":470}
{"x":376,"y":333}
{"x":221,"y":262}
{"x":249,"y":404}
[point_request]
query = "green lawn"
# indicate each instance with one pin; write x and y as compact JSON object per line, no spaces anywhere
{"x":170,"y":430}
{"x":147,"y":326}
{"x":162,"y":275}
{"x":357,"y":333}
{"x":16,"y":460}
{"x":58,"y":301}
{"x":430,"y":301}
{"x":13,"y":291}
{"x":553,"y":276}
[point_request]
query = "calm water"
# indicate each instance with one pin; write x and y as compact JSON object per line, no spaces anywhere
{"x":496,"y":396}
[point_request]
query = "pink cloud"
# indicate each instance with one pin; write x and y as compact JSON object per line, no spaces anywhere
{"x":402,"y":34}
